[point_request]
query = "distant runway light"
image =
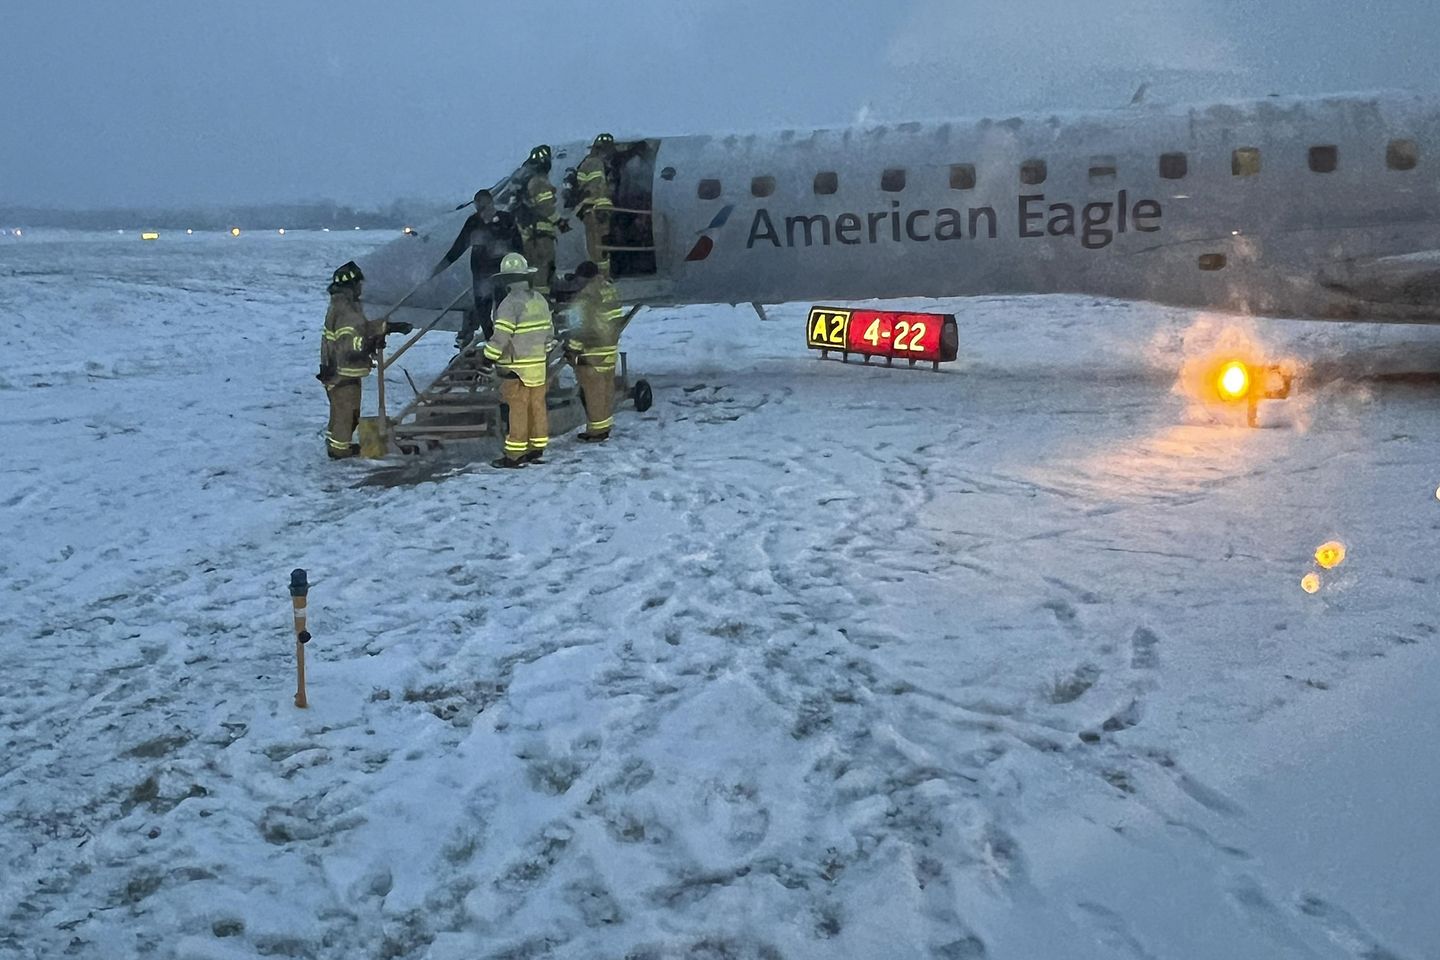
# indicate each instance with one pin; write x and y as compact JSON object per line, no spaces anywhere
{"x":234,"y":231}
{"x":1330,"y":555}
{"x":1310,"y":583}
{"x":282,"y":231}
{"x":188,"y":231}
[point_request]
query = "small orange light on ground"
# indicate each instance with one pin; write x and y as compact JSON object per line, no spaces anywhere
{"x":1310,"y":583}
{"x":1330,"y":555}
{"x":1233,"y":380}
{"x":234,"y":231}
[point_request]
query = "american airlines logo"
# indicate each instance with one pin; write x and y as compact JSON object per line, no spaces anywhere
{"x":706,"y":243}
{"x":1094,"y":225}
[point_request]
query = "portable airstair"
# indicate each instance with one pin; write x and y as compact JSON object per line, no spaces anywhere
{"x":463,"y":401}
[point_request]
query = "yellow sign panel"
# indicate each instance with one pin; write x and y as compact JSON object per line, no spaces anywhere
{"x":827,"y":329}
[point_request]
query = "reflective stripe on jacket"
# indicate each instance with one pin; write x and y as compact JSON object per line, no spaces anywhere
{"x":540,"y":202}
{"x":601,"y":318}
{"x":594,"y":185}
{"x":345,"y":341}
{"x":523,"y":329}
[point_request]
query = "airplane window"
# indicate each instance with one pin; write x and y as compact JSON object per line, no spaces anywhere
{"x":1245,"y":162}
{"x":1212,"y":261}
{"x":1324,"y":159}
{"x":1102,"y":168}
{"x":762,"y":186}
{"x":667,"y":174}
{"x":893,"y":180}
{"x":1033,"y":172}
{"x":1402,"y":155}
{"x":1174,"y":166}
{"x":962,"y":176}
{"x":826,"y":183}
{"x":709,"y":189}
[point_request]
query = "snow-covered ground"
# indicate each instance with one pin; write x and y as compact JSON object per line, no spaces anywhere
{"x":811,"y":661}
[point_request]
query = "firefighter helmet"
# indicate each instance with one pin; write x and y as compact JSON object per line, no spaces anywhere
{"x":347,"y":274}
{"x":603,"y":140}
{"x":515,"y":265}
{"x":542,"y":152}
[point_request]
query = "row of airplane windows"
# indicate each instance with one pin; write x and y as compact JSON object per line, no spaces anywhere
{"x":1244,"y":162}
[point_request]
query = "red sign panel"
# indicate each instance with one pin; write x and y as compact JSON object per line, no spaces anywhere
{"x":930,"y":337}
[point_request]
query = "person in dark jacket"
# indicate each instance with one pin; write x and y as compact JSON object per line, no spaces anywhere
{"x":489,"y":233}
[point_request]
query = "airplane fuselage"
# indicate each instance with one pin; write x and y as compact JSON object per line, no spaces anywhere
{"x":1308,"y":207}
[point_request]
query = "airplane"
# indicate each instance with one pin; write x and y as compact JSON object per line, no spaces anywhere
{"x":1321,"y":208}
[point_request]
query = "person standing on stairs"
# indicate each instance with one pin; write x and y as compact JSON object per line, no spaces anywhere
{"x":524,"y":330}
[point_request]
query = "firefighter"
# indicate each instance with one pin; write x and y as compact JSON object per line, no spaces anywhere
{"x":593,"y":346}
{"x":524,"y":329}
{"x":489,"y":233}
{"x":347,"y":350}
{"x":593,"y":180}
{"x":537,"y":217}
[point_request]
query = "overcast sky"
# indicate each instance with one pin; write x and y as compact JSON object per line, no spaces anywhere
{"x":172,"y":102}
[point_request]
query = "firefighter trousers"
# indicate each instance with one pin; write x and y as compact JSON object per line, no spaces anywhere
{"x":597,"y":225}
{"x":344,"y":398}
{"x":598,"y":385}
{"x":529,"y":421}
{"x":540,"y":253}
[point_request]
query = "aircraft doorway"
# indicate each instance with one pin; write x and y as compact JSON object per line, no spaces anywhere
{"x":631,"y":237}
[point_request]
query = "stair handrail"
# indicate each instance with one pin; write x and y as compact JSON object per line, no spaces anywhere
{"x":383,"y":364}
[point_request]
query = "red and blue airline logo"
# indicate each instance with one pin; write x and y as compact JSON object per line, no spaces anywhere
{"x":706,"y":243}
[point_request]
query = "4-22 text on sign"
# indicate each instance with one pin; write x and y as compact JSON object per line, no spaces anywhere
{"x":894,"y":335}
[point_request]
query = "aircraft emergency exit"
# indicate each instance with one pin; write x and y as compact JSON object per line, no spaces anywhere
{"x":1320,"y":208}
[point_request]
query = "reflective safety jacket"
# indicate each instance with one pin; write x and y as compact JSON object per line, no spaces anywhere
{"x":594,"y":185}
{"x":598,"y":317}
{"x":524,"y":328}
{"x":539,"y":201}
{"x":348,"y":340}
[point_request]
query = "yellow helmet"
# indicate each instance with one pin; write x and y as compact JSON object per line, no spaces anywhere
{"x":515,"y":265}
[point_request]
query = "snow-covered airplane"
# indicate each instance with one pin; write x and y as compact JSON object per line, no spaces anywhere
{"x":1321,"y":208}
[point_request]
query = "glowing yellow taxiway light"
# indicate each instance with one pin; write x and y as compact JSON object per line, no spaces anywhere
{"x":1330,"y":555}
{"x":234,"y":231}
{"x":1310,"y":583}
{"x":150,"y":235}
{"x":1233,"y":381}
